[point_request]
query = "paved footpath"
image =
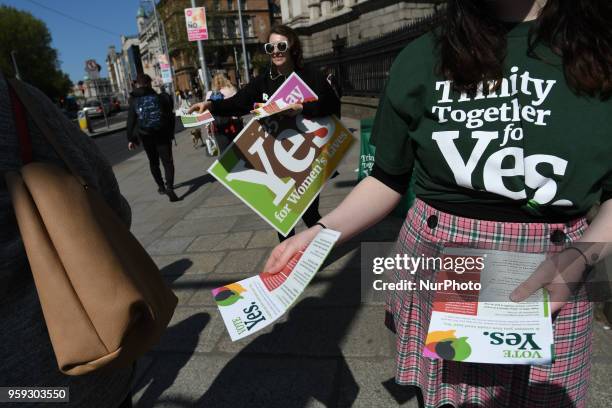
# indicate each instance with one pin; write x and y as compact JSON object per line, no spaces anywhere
{"x":329,"y":351}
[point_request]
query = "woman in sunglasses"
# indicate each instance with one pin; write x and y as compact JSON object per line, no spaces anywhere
{"x":285,"y":53}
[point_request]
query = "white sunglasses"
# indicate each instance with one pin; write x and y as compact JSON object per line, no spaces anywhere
{"x":281,"y":46}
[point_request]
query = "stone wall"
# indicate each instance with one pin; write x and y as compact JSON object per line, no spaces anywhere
{"x":357,"y":26}
{"x":359,"y":107}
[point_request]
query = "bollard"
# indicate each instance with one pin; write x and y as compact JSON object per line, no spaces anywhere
{"x":82,"y":120}
{"x":89,"y":124}
{"x":85,"y":122}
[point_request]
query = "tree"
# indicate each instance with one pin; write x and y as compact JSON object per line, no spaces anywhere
{"x":38,"y":62}
{"x":260,"y":62}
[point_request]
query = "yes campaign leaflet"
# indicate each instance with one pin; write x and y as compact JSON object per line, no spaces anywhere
{"x":195,"y":119}
{"x":270,"y":109}
{"x":293,"y":90}
{"x":482,"y":325}
{"x":254,"y":303}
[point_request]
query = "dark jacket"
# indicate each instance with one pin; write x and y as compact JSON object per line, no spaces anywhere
{"x":263,"y":86}
{"x":169,"y":102}
{"x":136,"y":133}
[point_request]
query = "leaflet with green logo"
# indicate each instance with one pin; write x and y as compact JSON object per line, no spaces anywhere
{"x":251,"y":304}
{"x":473,"y":319}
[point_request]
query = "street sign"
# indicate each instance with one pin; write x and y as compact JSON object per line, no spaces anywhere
{"x":166,"y":70}
{"x":92,"y":68}
{"x":195,"y":19}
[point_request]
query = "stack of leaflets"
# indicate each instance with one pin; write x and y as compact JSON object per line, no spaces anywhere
{"x":274,"y":107}
{"x":473,"y":319}
{"x":293,"y":90}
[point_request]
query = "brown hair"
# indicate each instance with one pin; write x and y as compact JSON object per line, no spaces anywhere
{"x":143,"y":80}
{"x":472,"y":43}
{"x":295,"y":46}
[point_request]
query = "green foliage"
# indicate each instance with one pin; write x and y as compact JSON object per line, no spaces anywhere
{"x":38,"y":62}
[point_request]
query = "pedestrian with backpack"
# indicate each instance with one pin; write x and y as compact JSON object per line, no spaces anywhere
{"x":150,"y":119}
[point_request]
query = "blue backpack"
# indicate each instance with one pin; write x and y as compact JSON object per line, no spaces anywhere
{"x":149,"y":111}
{"x":216,"y":96}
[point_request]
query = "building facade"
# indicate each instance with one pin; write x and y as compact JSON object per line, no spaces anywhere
{"x":92,"y":89}
{"x":114,"y":72}
{"x":150,"y":45}
{"x":325,"y":24}
{"x":223,"y":50}
{"x":124,"y":66}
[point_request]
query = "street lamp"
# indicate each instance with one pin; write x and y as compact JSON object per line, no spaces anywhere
{"x":244,"y":54}
{"x":14,"y":58}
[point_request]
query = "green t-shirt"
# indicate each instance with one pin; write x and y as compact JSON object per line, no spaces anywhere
{"x":531,"y":140}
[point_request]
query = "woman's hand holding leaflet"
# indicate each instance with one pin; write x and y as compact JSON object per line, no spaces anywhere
{"x":283,"y":252}
{"x":200,"y":107}
{"x":560,"y":274}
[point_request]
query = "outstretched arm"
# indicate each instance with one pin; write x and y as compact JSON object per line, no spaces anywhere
{"x":368,"y":203}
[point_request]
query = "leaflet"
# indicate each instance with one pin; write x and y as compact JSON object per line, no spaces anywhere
{"x":473,"y":319}
{"x":293,"y":90}
{"x":254,"y":303}
{"x":270,"y":109}
{"x":195,"y":119}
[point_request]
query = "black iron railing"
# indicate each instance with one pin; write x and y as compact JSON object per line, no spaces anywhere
{"x":362,"y":70}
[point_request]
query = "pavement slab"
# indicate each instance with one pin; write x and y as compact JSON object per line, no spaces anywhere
{"x":369,"y":383}
{"x":179,"y":380}
{"x":169,"y":246}
{"x":202,"y":226}
{"x":263,"y":239}
{"x":243,"y":261}
{"x":189,"y":264}
{"x":220,"y":242}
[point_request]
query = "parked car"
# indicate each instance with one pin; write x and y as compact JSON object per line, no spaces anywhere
{"x":93,"y":108}
{"x":108,"y":104}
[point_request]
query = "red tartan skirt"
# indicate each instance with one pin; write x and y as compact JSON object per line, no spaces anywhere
{"x":561,"y":384}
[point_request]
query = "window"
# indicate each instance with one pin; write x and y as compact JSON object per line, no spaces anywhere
{"x":216,"y":5}
{"x":231,"y":28}
{"x":247,"y":26}
{"x":217,"y":29}
{"x":230,"y":4}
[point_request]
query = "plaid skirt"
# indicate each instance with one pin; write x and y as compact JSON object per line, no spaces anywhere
{"x":561,"y":384}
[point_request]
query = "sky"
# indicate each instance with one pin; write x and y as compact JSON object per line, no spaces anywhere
{"x":77,"y":42}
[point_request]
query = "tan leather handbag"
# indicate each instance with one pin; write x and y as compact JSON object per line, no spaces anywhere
{"x":103,"y":298}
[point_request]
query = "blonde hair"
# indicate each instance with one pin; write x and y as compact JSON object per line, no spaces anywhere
{"x":221,"y":81}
